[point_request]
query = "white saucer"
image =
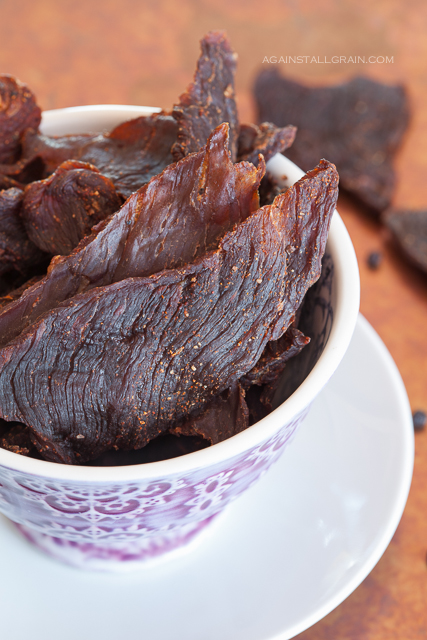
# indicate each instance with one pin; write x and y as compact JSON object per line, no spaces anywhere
{"x":282,"y":556}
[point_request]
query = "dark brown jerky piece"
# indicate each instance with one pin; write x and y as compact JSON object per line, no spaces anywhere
{"x":20,"y":173}
{"x":270,"y":188}
{"x":209,"y":100}
{"x":16,"y":437}
{"x":18,"y":112}
{"x":54,"y":150}
{"x":224,"y":416}
{"x":176,"y":217}
{"x":61,"y":210}
{"x":130,"y":155}
{"x":17,"y":252}
{"x":409,"y":229}
{"x":117,"y":365}
{"x":266,"y":139}
{"x":134,"y":152}
{"x":274,"y":357}
{"x":358,"y":125}
{"x":15,"y":294}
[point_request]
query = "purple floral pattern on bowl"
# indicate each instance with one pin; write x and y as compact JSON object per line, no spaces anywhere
{"x":107,"y":523}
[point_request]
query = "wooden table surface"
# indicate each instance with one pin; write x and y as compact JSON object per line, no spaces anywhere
{"x":135,"y":52}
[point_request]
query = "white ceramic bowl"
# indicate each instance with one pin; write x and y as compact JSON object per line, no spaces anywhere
{"x":114,"y":518}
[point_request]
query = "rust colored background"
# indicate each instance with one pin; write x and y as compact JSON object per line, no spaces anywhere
{"x":91,"y":52}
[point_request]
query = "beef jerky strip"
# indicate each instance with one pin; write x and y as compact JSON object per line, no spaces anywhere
{"x":130,"y":155}
{"x":266,"y":139}
{"x":61,"y":210}
{"x":358,"y":125}
{"x":16,"y":437}
{"x":175,"y":218}
{"x":209,"y":99}
{"x":224,"y":416}
{"x":14,"y":294}
{"x":117,"y":365}
{"x":274,"y":357}
{"x":409,"y":229}
{"x":18,"y":112}
{"x":20,"y":173}
{"x":17,"y":252}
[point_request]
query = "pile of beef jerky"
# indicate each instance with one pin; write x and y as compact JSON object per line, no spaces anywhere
{"x":359,"y":126}
{"x":146,"y":288}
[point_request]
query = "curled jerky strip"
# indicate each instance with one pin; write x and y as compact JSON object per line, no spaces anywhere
{"x":117,"y":365}
{"x":59,"y":211}
{"x":18,"y":112}
{"x":266,"y":139}
{"x":209,"y":99}
{"x":130,"y":155}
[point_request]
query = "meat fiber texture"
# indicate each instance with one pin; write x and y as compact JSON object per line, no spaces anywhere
{"x":100,"y":354}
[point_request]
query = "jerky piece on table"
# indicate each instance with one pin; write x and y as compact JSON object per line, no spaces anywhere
{"x":130,"y":155}
{"x":116,"y":366}
{"x":17,"y":252}
{"x":223,"y":417}
{"x":176,"y":217}
{"x":61,"y":210}
{"x":18,"y":112}
{"x":209,"y":99}
{"x":266,"y":139}
{"x":358,"y":125}
{"x":409,"y":229}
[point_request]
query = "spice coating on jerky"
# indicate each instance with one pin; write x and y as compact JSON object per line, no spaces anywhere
{"x":120,"y":363}
{"x":61,"y":210}
{"x":209,"y":99}
{"x":358,"y":125}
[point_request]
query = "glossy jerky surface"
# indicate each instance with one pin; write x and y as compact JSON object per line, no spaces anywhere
{"x":117,"y":365}
{"x":175,"y":218}
{"x":130,"y":155}
{"x":61,"y":210}
{"x":409,"y":229}
{"x":210,"y":99}
{"x":18,"y":112}
{"x":358,"y":125}
{"x":17,"y":252}
{"x":266,"y":139}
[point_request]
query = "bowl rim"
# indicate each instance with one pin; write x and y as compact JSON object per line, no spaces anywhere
{"x":346,"y":311}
